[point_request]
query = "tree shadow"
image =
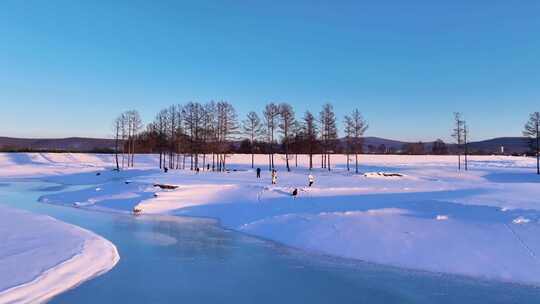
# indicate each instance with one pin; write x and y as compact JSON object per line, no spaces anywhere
{"x":21,"y":158}
{"x":513,"y":177}
{"x":423,"y":205}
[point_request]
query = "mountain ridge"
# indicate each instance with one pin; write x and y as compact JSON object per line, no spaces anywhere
{"x":512,"y":145}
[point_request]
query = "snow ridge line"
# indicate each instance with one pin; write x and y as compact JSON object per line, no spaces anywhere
{"x":527,"y":248}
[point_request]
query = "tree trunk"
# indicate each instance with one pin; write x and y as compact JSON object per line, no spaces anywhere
{"x":466,"y":164}
{"x":116,"y":150}
{"x":132,"y":152}
{"x":204,"y":161}
{"x":537,"y":154}
{"x":224,"y":159}
{"x":356,"y":162}
{"x":329,"y":165}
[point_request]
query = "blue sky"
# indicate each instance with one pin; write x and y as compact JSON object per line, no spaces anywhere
{"x":67,"y":68}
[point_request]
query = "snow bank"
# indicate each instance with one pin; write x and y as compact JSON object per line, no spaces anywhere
{"x":396,"y":237}
{"x":383,"y":175}
{"x":521,"y":220}
{"x":41,"y":257}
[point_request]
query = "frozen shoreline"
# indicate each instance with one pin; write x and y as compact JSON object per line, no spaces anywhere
{"x":42,"y":257}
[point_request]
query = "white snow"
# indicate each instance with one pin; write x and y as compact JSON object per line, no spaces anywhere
{"x":521,"y":220}
{"x":441,"y":217}
{"x":41,"y":257}
{"x":431,"y":218}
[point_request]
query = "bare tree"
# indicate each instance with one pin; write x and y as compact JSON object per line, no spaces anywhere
{"x":327,"y":119}
{"x":532,"y":131}
{"x":126,"y":128}
{"x":355,"y":127}
{"x":193,"y":114}
{"x":134,"y":122}
{"x":458,"y":135}
{"x":160,"y":128}
{"x":178,"y":138}
{"x":466,"y":144}
{"x":253,"y":129}
{"x":117,"y":129}
{"x":123,"y":136}
{"x":271,"y":112}
{"x":297,"y":134}
{"x":226,"y":129}
{"x":211,"y":127}
{"x":172,"y":126}
{"x":310,"y":132}
{"x":348,"y":139}
{"x":286,"y":126}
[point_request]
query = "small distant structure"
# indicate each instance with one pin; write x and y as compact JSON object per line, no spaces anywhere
{"x":502,"y":149}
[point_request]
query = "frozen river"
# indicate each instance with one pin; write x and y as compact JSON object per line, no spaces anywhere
{"x":171,"y":259}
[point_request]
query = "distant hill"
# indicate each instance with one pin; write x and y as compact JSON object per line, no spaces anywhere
{"x":512,"y":145}
{"x":517,"y":145}
{"x":74,"y":144}
{"x":388,"y":143}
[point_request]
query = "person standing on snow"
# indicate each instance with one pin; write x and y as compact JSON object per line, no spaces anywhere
{"x":258,"y":172}
{"x":274,"y":177}
{"x":311,"y":180}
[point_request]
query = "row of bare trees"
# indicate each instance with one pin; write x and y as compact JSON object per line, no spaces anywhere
{"x":199,"y":135}
{"x":126,"y":128}
{"x":308,"y":135}
{"x":200,"y":132}
{"x":205,"y":133}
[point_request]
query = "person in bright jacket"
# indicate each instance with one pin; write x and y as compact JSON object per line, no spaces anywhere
{"x":311,"y":180}
{"x":274,"y":177}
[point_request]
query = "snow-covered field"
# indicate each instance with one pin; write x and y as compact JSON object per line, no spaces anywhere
{"x":41,"y":257}
{"x":480,"y":223}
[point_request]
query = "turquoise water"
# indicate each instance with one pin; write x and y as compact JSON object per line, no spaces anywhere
{"x":188,"y":260}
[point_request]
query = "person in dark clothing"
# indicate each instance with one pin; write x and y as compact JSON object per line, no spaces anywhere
{"x":165,"y":169}
{"x":208,"y":167}
{"x":258,"y":172}
{"x":295,"y":192}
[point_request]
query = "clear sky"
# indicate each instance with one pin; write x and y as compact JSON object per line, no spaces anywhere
{"x":67,"y":67}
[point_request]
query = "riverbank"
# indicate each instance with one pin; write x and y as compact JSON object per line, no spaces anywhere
{"x":41,"y":257}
